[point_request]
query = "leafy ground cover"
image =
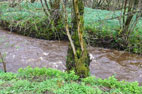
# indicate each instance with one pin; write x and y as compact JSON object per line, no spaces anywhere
{"x":29,"y":19}
{"x":51,"y":81}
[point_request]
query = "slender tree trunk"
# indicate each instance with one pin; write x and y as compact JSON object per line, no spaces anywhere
{"x":127,"y":21}
{"x":94,"y":4}
{"x":32,"y":1}
{"x":80,"y":60}
{"x":12,"y":3}
{"x":55,"y":11}
{"x":52,"y":10}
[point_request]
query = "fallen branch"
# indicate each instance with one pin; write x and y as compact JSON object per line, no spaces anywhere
{"x":4,"y":63}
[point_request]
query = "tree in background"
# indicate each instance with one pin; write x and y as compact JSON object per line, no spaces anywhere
{"x":14,"y":3}
{"x":32,"y":1}
{"x":130,"y":17}
{"x":52,"y":10}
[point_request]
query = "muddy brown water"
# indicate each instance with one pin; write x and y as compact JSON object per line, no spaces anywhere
{"x":22,"y":51}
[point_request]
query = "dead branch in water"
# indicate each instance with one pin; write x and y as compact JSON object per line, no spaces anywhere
{"x":3,"y":62}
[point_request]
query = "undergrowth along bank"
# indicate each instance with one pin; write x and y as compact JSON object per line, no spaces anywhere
{"x":51,"y":81}
{"x":29,"y":19}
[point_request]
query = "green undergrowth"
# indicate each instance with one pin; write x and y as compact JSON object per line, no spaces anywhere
{"x":51,"y":81}
{"x":29,"y":19}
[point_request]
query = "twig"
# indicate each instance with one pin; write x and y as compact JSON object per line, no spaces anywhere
{"x":4,"y":63}
{"x":128,"y":14}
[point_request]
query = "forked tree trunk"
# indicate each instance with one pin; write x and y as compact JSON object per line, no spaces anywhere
{"x":78,"y":60}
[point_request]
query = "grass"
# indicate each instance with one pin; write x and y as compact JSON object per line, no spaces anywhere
{"x":30,"y":20}
{"x":51,"y":81}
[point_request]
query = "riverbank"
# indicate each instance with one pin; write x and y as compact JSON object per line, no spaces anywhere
{"x":22,"y":51}
{"x":50,"y":81}
{"x":29,"y":19}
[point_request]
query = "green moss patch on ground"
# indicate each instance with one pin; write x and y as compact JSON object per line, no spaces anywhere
{"x":51,"y":81}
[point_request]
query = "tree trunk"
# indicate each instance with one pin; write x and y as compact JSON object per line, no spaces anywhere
{"x":55,"y":11}
{"x":127,"y":21}
{"x":79,"y":62}
{"x":32,"y":1}
{"x":52,"y":10}
{"x":12,"y":3}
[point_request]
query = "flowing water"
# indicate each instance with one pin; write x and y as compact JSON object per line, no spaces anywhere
{"x":21,"y":51}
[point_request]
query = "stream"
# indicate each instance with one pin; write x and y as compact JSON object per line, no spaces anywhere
{"x":21,"y":51}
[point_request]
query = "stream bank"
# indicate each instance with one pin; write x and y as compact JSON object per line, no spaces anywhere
{"x":22,"y":51}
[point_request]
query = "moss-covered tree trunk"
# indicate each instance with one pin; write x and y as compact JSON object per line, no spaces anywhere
{"x":80,"y":60}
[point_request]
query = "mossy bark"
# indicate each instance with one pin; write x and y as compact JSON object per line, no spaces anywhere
{"x":32,"y":1}
{"x":79,"y":62}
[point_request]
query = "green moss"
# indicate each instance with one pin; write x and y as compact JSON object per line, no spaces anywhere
{"x":81,"y":69}
{"x":82,"y":64}
{"x":70,"y":62}
{"x":79,"y":64}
